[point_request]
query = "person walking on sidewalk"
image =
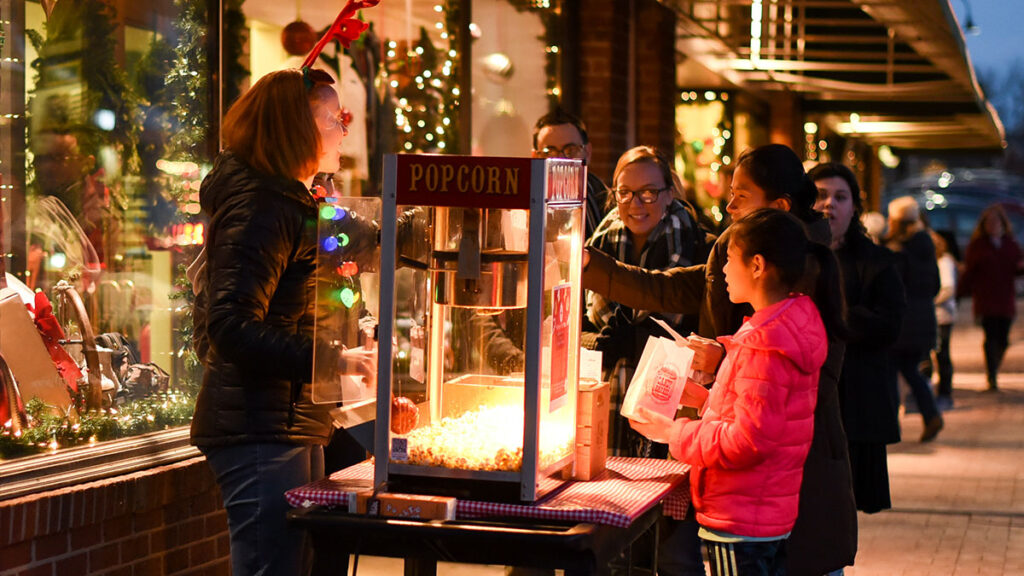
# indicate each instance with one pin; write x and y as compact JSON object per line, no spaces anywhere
{"x":945,"y":315}
{"x":909,"y":239}
{"x":992,"y":261}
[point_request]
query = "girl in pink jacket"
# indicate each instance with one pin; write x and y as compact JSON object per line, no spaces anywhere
{"x":747,"y":451}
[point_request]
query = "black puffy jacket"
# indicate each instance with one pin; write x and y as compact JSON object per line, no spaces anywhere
{"x":257,"y":311}
{"x":920,"y":274}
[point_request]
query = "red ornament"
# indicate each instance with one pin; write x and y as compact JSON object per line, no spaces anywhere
{"x":298,"y":38}
{"x":404,"y":415}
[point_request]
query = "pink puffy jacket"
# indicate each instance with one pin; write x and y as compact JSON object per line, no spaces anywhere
{"x":747,"y":452}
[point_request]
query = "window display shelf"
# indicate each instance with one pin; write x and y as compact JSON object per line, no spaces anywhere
{"x":74,"y":466}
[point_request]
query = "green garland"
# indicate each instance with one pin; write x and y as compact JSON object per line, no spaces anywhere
{"x":47,"y":431}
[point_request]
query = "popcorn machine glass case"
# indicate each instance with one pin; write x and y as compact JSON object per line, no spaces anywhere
{"x":479,"y":313}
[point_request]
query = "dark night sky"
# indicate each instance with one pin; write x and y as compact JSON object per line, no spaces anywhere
{"x":996,"y":49}
{"x":1000,"y":42}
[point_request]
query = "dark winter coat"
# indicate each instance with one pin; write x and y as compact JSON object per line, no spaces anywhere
{"x":825,"y":535}
{"x":989,"y":276}
{"x":875,"y":304}
{"x":685,"y":290}
{"x":257,"y":311}
{"x":597,"y":204}
{"x":919,"y":271}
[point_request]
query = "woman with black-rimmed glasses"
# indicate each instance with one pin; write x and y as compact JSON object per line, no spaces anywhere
{"x":649,"y":224}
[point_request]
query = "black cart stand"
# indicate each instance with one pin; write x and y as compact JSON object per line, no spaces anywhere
{"x":578,"y":548}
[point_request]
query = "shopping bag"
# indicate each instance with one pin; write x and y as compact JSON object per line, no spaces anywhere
{"x":29,"y":361}
{"x":694,"y":393}
{"x":659,"y":379}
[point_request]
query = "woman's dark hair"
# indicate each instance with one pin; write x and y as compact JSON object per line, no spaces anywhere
{"x":781,"y":239}
{"x":828,"y":170}
{"x":777,"y":170}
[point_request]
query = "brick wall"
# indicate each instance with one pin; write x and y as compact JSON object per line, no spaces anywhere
{"x":603,"y":62}
{"x":162,"y":521}
{"x":656,"y":91}
{"x":603,"y":76}
{"x":786,"y":121}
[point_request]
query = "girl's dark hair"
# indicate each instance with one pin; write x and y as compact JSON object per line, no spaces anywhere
{"x":836,"y":170}
{"x":802,"y":265}
{"x":777,"y":170}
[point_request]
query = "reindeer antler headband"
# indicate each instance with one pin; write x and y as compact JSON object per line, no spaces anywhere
{"x":345,"y":29}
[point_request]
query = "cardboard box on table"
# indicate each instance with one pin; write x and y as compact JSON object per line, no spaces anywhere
{"x":592,"y":429}
{"x":25,"y":353}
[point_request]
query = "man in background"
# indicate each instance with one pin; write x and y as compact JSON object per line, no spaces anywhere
{"x":561,"y":135}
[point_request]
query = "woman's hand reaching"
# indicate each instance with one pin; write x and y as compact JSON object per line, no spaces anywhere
{"x":359,"y":362}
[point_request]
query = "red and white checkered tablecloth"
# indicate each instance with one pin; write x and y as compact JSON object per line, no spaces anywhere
{"x":618,"y":496}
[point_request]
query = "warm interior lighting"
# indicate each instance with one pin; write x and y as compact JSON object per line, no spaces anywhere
{"x":489,"y":438}
{"x":755,"y":33}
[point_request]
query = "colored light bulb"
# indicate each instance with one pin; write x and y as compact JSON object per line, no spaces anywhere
{"x":349,"y":268}
{"x":348,"y":297}
{"x":328,"y":212}
{"x":343,"y":239}
{"x":330,"y":244}
{"x":340,"y":213}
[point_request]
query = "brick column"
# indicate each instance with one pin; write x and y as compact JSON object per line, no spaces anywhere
{"x":655,"y":65}
{"x":786,"y":121}
{"x":603,"y":74}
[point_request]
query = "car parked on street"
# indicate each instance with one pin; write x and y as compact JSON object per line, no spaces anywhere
{"x":951,"y":201}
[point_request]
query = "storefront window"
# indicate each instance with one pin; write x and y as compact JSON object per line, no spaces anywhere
{"x":516,"y":73}
{"x":106,"y":135}
{"x":400,"y":80}
{"x":706,"y":147}
{"x":109,"y":118}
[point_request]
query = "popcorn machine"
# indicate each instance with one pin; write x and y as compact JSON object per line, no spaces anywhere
{"x":479,"y":316}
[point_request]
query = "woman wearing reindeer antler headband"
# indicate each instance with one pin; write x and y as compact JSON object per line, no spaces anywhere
{"x":255,"y":420}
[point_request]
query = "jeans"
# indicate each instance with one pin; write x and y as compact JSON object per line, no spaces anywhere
{"x":909,"y":365}
{"x":945,"y":364}
{"x":253,"y":479}
{"x":747,"y":558}
{"x":997,"y":339}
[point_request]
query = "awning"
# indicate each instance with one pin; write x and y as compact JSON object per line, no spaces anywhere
{"x":892,"y":72}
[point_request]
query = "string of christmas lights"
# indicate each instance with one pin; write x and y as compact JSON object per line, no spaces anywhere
{"x":422,"y":80}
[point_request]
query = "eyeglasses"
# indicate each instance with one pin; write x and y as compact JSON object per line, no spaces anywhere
{"x":567,"y":151}
{"x":647,"y":196}
{"x":341,"y":120}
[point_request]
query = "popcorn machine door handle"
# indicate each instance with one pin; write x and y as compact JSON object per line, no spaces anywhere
{"x":469,"y":246}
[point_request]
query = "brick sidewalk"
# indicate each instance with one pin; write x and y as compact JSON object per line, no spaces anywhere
{"x":958,"y":502}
